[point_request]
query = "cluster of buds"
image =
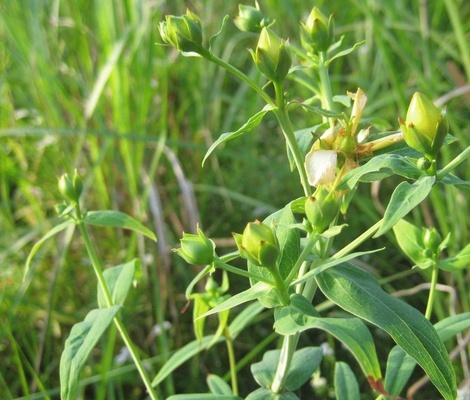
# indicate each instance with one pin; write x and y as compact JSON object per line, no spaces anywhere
{"x":196,"y":249}
{"x":425,"y":127}
{"x":258,"y":244}
{"x":184,"y":33}
{"x":317,"y":32}
{"x":251,"y":19}
{"x":71,"y":187}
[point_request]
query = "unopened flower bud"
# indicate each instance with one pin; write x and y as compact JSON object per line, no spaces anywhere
{"x":196,"y":249}
{"x":71,"y":187}
{"x":183,"y":33}
{"x":321,"y":209}
{"x":321,"y":166}
{"x":250,"y":19}
{"x":258,"y":244}
{"x":425,"y":127}
{"x":317,"y":32}
{"x":432,"y":240}
{"x":272,"y":56}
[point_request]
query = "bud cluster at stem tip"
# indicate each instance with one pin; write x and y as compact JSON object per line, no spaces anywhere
{"x":425,"y":128}
{"x":258,"y":244}
{"x":184,"y":33}
{"x":251,"y":19}
{"x":321,"y":209}
{"x":71,"y":187}
{"x":272,"y":56}
{"x":317,"y":32}
{"x":196,"y":249}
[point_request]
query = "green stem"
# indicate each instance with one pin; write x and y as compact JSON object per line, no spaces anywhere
{"x":232,"y":362}
{"x":454,"y":163}
{"x":327,"y":94}
{"x":283,"y":118}
{"x":107,"y":295}
{"x":432,"y":291}
{"x":287,"y":352}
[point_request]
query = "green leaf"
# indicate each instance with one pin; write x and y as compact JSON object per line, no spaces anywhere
{"x":410,"y":240}
{"x":352,"y":332}
{"x":214,"y":37}
{"x":250,"y":294}
{"x":249,"y":125}
{"x":346,"y":386}
{"x":203,"y":396}
{"x":359,"y":293}
{"x":117,"y":219}
{"x":119,"y":281}
{"x":404,"y":198}
{"x":266,"y":394}
{"x":458,"y":262}
{"x":218,"y":386}
{"x":400,"y":365}
{"x":380,"y":167}
{"x":344,"y":52}
{"x":304,"y":363}
{"x":83,"y":338}
{"x":40,"y":242}
{"x":450,"y":179}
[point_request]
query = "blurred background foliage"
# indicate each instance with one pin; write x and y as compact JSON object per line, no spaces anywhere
{"x":84,"y":84}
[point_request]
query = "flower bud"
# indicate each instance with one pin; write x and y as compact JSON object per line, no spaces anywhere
{"x":432,"y":240}
{"x":183,"y":33}
{"x":71,"y":187}
{"x":196,"y":249}
{"x":317,"y":32}
{"x":321,"y":209}
{"x":250,"y":19}
{"x":272,"y":56}
{"x":258,"y":244}
{"x":425,"y":127}
{"x":321,"y":166}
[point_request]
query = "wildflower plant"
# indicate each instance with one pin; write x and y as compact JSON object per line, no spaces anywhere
{"x":290,"y":255}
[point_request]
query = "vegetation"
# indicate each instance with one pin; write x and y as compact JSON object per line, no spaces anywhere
{"x":87,"y":85}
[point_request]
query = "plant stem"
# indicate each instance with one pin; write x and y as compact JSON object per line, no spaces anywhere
{"x":287,"y":352}
{"x":104,"y":287}
{"x":432,"y":291}
{"x":232,"y":362}
{"x":242,"y":272}
{"x":286,"y":126}
{"x":327,"y":94}
{"x":454,"y":163}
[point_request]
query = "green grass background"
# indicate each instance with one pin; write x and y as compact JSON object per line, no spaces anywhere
{"x":85,"y":85}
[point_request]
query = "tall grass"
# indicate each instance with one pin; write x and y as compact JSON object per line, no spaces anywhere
{"x":84,"y":85}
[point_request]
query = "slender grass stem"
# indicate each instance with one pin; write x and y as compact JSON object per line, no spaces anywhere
{"x":327,"y":94}
{"x":107,"y":295}
{"x":232,"y":362}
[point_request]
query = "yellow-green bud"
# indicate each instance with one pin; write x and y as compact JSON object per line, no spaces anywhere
{"x":196,"y":249}
{"x":258,"y":244}
{"x":71,"y":187}
{"x":425,"y":127}
{"x":272,"y":56}
{"x":321,"y":209}
{"x":250,"y":19}
{"x":432,"y":240}
{"x":317,"y":32}
{"x":183,"y":33}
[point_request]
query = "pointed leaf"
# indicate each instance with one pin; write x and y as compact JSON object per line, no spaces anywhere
{"x":117,"y":219}
{"x":119,"y":281}
{"x":346,"y":386}
{"x":40,"y":242}
{"x":458,"y":262}
{"x":83,"y":338}
{"x":450,"y":179}
{"x":404,"y":198}
{"x":344,"y":52}
{"x":249,"y":125}
{"x":410,"y":240}
{"x":352,"y":332}
{"x":359,"y":293}
{"x":218,"y":386}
